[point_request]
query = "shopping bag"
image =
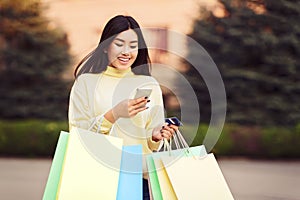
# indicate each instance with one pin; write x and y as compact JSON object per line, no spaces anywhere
{"x":196,"y":178}
{"x":160,"y":185}
{"x":56,"y":167}
{"x":166,"y":188}
{"x":154,"y":187}
{"x":91,"y":166}
{"x":131,"y":174}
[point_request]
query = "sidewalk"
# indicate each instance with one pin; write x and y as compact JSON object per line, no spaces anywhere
{"x":247,"y":179}
{"x":262,"y":180}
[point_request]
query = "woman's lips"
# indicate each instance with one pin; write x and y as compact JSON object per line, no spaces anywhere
{"x":123,"y":60}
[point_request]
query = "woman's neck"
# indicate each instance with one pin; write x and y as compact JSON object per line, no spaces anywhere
{"x":112,"y":71}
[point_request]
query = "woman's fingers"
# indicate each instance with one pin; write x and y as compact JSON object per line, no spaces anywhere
{"x":168,"y":131}
{"x":140,"y":104}
{"x":129,"y":107}
{"x":166,"y":134}
{"x":136,"y":111}
{"x":174,"y":127}
{"x":133,"y":102}
{"x":137,"y":105}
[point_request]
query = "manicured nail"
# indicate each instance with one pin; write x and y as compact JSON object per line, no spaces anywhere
{"x":148,"y":100}
{"x":146,"y":97}
{"x":147,"y":107}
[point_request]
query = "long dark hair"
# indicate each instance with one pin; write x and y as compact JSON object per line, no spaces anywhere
{"x":97,"y":61}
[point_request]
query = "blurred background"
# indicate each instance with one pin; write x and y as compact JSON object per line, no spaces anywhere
{"x":254,"y":43}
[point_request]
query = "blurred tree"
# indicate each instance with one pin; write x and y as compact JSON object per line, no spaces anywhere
{"x":255,"y":44}
{"x":33,"y":56}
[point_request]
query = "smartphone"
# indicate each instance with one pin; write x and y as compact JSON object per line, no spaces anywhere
{"x":173,"y":120}
{"x":142,"y":92}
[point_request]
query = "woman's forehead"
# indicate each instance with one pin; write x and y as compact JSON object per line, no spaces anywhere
{"x":128,"y":36}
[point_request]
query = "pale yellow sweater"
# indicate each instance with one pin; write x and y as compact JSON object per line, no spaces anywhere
{"x":92,"y":95}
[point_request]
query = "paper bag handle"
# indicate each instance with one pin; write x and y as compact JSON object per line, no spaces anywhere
{"x":179,"y":141}
{"x":98,"y":118}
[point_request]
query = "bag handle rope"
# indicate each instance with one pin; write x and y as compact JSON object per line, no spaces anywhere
{"x":179,"y":141}
{"x":98,"y":118}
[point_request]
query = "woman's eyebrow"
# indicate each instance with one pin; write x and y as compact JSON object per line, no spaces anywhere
{"x":133,"y":41}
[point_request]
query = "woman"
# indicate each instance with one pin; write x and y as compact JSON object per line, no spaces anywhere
{"x":102,"y":97}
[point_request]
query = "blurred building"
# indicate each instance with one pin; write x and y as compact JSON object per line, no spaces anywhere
{"x":83,"y":20}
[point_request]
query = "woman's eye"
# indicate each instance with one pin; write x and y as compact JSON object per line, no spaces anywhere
{"x":119,"y":45}
{"x":133,"y":47}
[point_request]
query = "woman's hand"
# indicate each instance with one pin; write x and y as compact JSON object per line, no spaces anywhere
{"x":126,"y":109}
{"x":166,"y":131}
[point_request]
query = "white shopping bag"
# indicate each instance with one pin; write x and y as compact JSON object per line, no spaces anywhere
{"x":196,"y":178}
{"x":91,"y":166}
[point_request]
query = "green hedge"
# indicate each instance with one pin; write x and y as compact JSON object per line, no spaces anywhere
{"x":29,"y":138}
{"x":37,"y":138}
{"x":255,"y":142}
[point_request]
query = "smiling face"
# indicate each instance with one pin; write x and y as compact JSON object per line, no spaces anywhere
{"x":123,"y":50}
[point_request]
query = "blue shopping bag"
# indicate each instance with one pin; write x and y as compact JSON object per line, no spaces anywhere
{"x":131,"y":174}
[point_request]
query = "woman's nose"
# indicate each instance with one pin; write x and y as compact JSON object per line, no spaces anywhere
{"x":125,"y":50}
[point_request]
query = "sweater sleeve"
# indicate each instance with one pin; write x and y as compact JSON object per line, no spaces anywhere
{"x":81,"y":113}
{"x":156,"y":117}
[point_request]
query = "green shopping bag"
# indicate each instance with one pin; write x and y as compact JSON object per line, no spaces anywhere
{"x":153,"y":179}
{"x":56,"y":167}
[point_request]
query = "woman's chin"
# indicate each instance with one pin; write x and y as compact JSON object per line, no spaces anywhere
{"x":122,"y":66}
